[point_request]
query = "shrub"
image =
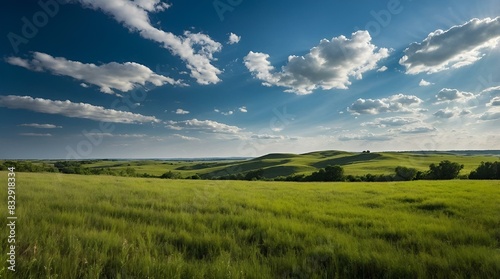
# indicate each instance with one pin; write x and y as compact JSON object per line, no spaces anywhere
{"x":445,"y":170}
{"x":488,"y":170}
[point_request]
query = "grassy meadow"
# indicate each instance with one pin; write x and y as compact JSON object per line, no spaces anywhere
{"x":73,"y":226}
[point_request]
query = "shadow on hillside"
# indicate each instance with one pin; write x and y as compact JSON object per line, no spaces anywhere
{"x":246,"y":166}
{"x":359,"y":158}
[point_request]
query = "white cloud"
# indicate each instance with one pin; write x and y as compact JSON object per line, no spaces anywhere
{"x":444,"y":113}
{"x":40,"y":126}
{"x":395,"y":103}
{"x":494,"y":102}
{"x":233,"y":39}
{"x":35,"y":135}
{"x":185,"y":137}
{"x":423,"y":82}
{"x":243,"y":109}
{"x":203,"y":125}
{"x":84,"y":85}
{"x":76,"y":110}
{"x":391,"y":122}
{"x":181,"y":111}
{"x":227,"y":113}
{"x":448,"y":95}
{"x":456,"y":47}
{"x":123,"y":77}
{"x":195,"y":49}
{"x":152,"y":5}
{"x":382,"y":69}
{"x":329,"y":65}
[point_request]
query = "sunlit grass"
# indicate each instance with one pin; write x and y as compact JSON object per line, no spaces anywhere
{"x":74,"y":226}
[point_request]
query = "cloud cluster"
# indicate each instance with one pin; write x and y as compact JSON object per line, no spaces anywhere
{"x":76,"y":110}
{"x":449,"y":95}
{"x":195,"y":49}
{"x":123,"y":77}
{"x":204,"y":126}
{"x":329,"y":65}
{"x":456,"y":47}
{"x":444,"y":113}
{"x":394,"y":103}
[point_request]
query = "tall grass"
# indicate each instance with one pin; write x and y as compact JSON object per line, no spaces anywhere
{"x":72,"y":226}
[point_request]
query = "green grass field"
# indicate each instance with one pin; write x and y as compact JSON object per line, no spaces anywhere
{"x":275,"y":165}
{"x":72,"y":226}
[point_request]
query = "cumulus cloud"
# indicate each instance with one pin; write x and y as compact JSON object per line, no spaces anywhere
{"x":233,"y":39}
{"x":76,"y":110}
{"x":456,"y":47}
{"x":391,"y":122}
{"x":444,"y":113}
{"x":329,"y":65}
{"x":35,"y":135}
{"x":203,"y":125}
{"x":181,"y":111}
{"x":423,"y":82}
{"x":40,"y":126}
{"x":195,"y":49}
{"x":243,"y":109}
{"x":395,"y":103}
{"x":448,"y":95}
{"x":123,"y":77}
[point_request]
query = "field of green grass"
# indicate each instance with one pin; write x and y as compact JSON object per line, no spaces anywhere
{"x":73,"y":226}
{"x":275,"y":165}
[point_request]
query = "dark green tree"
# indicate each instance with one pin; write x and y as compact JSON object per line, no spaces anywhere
{"x":405,"y":174}
{"x":444,"y":170}
{"x":488,"y":170}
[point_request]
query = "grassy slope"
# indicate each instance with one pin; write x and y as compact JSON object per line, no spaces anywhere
{"x":286,"y":164}
{"x":74,"y":226}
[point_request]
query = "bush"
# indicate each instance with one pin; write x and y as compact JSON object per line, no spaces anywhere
{"x":170,"y":175}
{"x":445,"y":170}
{"x":488,"y":170}
{"x":405,"y":174}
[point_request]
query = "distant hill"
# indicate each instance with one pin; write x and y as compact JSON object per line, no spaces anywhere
{"x":284,"y":164}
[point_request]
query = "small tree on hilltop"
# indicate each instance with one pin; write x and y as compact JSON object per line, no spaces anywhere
{"x":445,"y":170}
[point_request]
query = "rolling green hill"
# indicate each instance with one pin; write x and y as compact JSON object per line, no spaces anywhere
{"x":283,"y":164}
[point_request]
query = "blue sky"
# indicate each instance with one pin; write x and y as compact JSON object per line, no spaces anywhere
{"x":157,"y":79}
